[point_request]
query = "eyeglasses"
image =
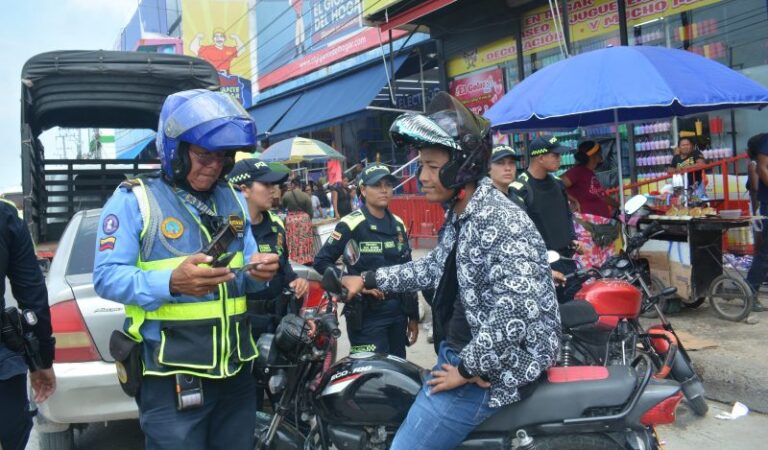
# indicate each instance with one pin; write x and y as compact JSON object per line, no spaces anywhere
{"x":208,"y":159}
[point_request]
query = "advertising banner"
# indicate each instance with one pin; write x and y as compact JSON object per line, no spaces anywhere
{"x":371,"y":7}
{"x":591,"y":18}
{"x":218,"y":32}
{"x":486,"y":56}
{"x":296,"y":37}
{"x":479,"y":91}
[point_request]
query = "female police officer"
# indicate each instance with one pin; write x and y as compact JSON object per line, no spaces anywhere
{"x":254,"y":178}
{"x":383,"y":324}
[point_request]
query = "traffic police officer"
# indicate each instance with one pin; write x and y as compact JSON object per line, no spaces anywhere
{"x":377,"y":323}
{"x":19,"y":264}
{"x":254,"y":178}
{"x":159,"y":246}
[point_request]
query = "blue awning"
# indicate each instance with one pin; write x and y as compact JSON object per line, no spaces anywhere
{"x":336,"y":99}
{"x":134,"y":148}
{"x":267,"y":114}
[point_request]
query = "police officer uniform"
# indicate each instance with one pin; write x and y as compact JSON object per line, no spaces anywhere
{"x":382,"y":243}
{"x":19,"y":263}
{"x":148,"y":227}
{"x":546,"y":203}
{"x":265,"y":306}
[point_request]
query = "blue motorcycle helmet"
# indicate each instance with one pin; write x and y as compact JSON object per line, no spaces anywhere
{"x":212,"y":120}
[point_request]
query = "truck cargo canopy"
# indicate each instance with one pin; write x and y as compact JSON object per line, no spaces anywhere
{"x":105,"y":89}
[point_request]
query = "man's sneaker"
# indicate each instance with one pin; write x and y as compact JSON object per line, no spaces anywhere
{"x":757,"y":306}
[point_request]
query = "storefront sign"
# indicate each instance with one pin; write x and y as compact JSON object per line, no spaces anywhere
{"x":312,"y":35}
{"x":489,"y":55}
{"x":331,"y":19}
{"x":215,"y":32}
{"x":239,"y":88}
{"x":591,"y":18}
{"x":479,"y":91}
{"x":414,"y":101}
{"x":538,"y":31}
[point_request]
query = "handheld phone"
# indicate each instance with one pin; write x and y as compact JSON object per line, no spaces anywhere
{"x":223,"y":260}
{"x":220,"y":242}
{"x":189,"y":392}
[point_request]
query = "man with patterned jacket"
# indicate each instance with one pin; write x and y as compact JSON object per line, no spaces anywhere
{"x":497,"y":325}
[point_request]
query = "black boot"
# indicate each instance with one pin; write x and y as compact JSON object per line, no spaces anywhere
{"x":757,"y":306}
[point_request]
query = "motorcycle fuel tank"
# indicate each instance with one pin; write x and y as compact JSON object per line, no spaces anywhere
{"x":612,"y":299}
{"x":368,"y":389}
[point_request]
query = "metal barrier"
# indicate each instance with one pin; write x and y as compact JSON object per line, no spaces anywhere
{"x":422,"y":218}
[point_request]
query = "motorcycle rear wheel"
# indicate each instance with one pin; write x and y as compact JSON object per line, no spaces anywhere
{"x":576,"y":442}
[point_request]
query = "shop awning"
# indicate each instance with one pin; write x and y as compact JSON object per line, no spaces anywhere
{"x":336,"y":99}
{"x":267,"y":114}
{"x":134,"y":150}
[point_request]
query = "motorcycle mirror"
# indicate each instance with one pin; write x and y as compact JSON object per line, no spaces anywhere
{"x":331,"y":282}
{"x":351,"y":253}
{"x":634,"y":204}
{"x":552,"y":256}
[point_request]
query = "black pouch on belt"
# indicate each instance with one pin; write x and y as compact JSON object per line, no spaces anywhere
{"x":353,"y":311}
{"x":127,"y":354}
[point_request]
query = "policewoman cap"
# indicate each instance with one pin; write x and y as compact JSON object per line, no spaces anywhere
{"x":546,"y":144}
{"x":374,"y":173}
{"x":252,"y":169}
{"x":502,"y":151}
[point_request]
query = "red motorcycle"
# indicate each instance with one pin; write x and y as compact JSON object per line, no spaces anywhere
{"x":608,"y":331}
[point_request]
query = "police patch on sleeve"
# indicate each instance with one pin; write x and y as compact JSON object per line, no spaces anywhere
{"x":110,"y":224}
{"x":336,"y":236}
{"x":172,"y":228}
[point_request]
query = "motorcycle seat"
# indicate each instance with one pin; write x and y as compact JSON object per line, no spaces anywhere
{"x":551,"y":402}
{"x":577,"y":314}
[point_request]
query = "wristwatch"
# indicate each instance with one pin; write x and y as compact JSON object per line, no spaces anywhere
{"x":369,"y":279}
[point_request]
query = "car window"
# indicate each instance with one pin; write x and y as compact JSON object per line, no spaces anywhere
{"x":84,"y":249}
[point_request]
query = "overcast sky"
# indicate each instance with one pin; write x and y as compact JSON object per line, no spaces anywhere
{"x":29,"y":27}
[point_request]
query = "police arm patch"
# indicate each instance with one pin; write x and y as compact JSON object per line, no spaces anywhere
{"x":107,"y":243}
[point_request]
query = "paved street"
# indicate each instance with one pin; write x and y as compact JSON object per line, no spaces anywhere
{"x":688,"y":433}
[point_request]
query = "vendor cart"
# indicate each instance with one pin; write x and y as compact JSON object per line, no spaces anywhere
{"x":727,"y":291}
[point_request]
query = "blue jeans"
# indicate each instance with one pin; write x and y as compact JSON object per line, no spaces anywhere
{"x":759,"y":268}
{"x":443,"y":420}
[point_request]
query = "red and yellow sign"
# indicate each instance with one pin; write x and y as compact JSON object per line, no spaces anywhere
{"x":486,"y":56}
{"x":479,"y":91}
{"x":591,"y":18}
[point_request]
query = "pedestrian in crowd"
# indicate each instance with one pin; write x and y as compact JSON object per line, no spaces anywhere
{"x":758,"y":180}
{"x":686,"y":157}
{"x":323,"y":199}
{"x":503,"y":168}
{"x":18,"y":263}
{"x":546,"y":202}
{"x":342,"y":199}
{"x":184,"y":294}
{"x":596,"y":230}
{"x":255,"y":179}
{"x":496,"y":319}
{"x":377,"y":323}
{"x":294,"y":200}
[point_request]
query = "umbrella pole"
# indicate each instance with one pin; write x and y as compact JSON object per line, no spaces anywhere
{"x":618,"y":156}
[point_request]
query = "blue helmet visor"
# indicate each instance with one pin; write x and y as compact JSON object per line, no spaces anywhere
{"x":203,"y":109}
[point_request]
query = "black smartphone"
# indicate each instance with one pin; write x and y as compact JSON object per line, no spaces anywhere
{"x":223,"y":260}
{"x":189,"y":392}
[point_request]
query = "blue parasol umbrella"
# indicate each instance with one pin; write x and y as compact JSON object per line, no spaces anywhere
{"x":623,"y":84}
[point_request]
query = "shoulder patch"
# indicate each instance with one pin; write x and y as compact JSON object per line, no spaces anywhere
{"x":352,"y":220}
{"x":276,"y":219}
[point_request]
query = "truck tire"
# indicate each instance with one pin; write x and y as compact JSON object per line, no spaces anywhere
{"x":59,"y":440}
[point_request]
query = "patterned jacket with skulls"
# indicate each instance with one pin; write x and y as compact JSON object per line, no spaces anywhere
{"x":505,"y":285}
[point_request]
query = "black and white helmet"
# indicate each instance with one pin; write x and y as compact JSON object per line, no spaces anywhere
{"x":448,"y":125}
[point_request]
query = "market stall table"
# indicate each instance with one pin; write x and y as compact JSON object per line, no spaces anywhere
{"x":704,"y":236}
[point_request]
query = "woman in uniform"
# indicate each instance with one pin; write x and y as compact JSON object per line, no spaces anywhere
{"x":379,"y":323}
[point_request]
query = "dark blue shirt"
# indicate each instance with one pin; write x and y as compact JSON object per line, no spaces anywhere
{"x":19,"y":263}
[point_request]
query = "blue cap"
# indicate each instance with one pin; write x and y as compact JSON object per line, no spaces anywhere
{"x":374,"y":173}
